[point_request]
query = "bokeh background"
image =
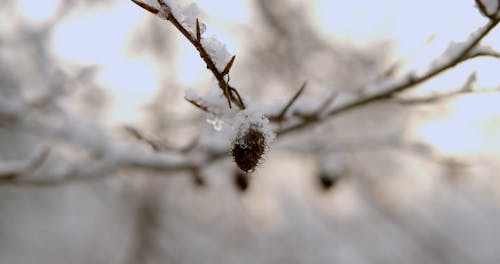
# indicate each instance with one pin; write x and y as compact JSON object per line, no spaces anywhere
{"x":407,"y":184}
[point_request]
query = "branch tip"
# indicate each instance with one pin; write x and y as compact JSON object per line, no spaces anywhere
{"x":228,"y":66}
{"x":283,"y":112}
{"x":198,"y":31}
{"x":146,"y":7}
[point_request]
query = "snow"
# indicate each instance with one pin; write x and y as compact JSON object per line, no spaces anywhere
{"x":455,"y":48}
{"x":230,"y":124}
{"x":191,"y":94}
{"x":332,"y":164}
{"x":186,"y":14}
{"x":217,"y":51}
{"x":252,"y":116}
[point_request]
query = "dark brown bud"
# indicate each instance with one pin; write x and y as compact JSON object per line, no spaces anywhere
{"x":197,"y":178}
{"x":327,"y":181}
{"x":241,"y":181}
{"x":248,"y":148}
{"x":199,"y":181}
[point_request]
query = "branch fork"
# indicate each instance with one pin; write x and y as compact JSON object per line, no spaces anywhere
{"x":230,"y":93}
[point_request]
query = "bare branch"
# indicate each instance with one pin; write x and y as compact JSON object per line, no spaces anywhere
{"x":198,"y":105}
{"x":160,"y":145}
{"x":237,"y":97}
{"x":154,"y":144}
{"x":106,"y":167}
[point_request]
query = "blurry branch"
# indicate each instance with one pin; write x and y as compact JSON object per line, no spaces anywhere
{"x":154,"y":144}
{"x":441,"y":97}
{"x":14,"y":171}
{"x":198,"y":103}
{"x":103,"y":168}
{"x":159,"y":145}
{"x":411,"y":81}
{"x":484,"y":52}
{"x":281,"y":116}
{"x":316,"y":115}
{"x":111,"y":156}
{"x":147,"y":223}
{"x":12,"y":110}
{"x":166,"y":13}
{"x":467,"y":88}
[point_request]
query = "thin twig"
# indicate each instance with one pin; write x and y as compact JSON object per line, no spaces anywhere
{"x":237,"y":97}
{"x":27,"y":169}
{"x":196,"y":41}
{"x":281,"y":116}
{"x":441,"y":97}
{"x":154,"y":144}
{"x":198,"y":105}
{"x":315,"y":115}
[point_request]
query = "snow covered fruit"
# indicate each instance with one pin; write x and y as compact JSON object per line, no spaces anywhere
{"x":249,"y":147}
{"x":252,"y":139}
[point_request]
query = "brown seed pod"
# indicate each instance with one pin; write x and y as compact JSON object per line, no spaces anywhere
{"x":249,"y":147}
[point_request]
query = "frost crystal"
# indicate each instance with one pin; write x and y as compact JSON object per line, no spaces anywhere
{"x":216,"y":122}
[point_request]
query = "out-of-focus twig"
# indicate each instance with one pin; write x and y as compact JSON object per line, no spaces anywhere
{"x":10,"y":174}
{"x":281,"y":116}
{"x":467,"y":88}
{"x":410,"y":82}
{"x":159,"y":145}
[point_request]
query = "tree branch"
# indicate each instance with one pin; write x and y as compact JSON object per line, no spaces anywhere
{"x":408,"y":83}
{"x":281,"y":116}
{"x":196,"y":41}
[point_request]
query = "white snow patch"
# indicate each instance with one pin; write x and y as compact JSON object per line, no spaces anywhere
{"x":251,"y":117}
{"x":217,"y":51}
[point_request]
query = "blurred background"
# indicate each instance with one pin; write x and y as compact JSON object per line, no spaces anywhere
{"x":387,"y":183}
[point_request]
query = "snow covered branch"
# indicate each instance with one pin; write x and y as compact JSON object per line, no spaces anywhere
{"x":15,"y":170}
{"x":463,"y":52}
{"x":250,"y":128}
{"x":213,"y":53}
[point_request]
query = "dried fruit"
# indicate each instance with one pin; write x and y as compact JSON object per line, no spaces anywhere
{"x":249,"y":147}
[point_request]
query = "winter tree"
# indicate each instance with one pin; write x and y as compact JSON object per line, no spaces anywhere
{"x":297,"y":145}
